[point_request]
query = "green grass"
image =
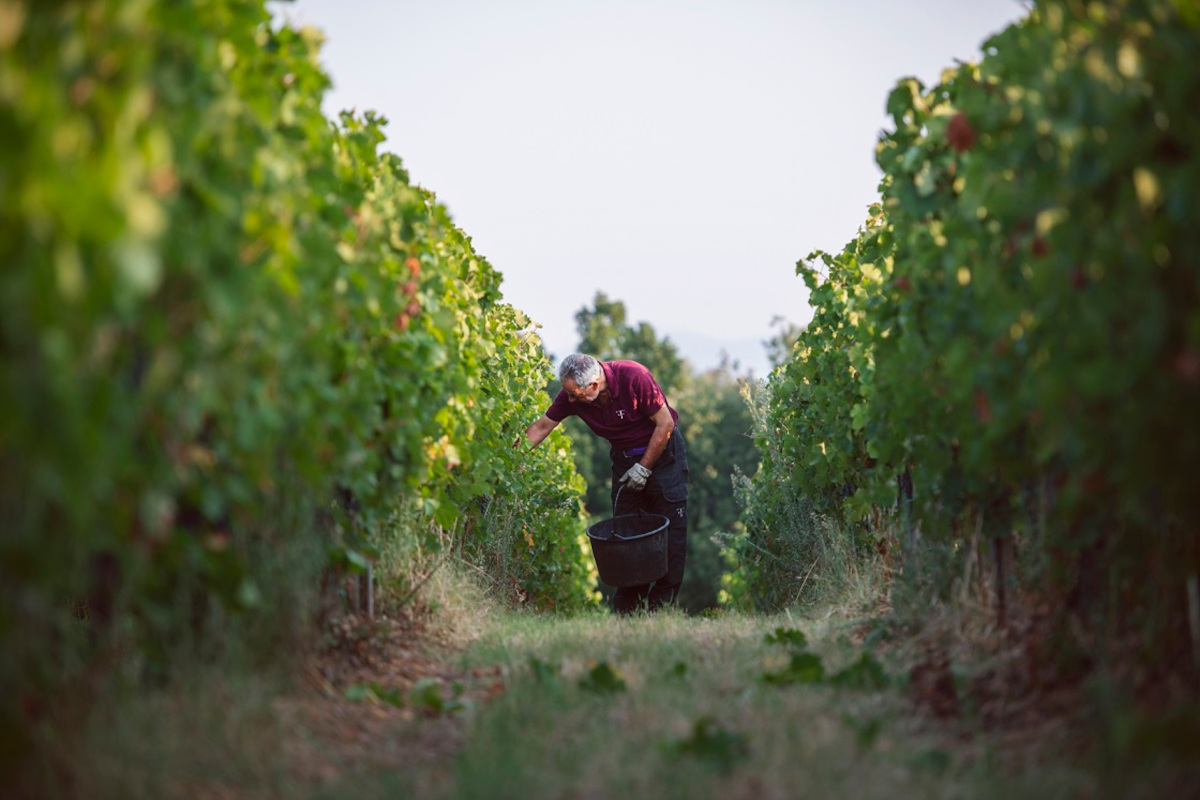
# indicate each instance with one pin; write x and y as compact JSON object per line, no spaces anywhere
{"x":694,"y":719}
{"x":665,"y":706}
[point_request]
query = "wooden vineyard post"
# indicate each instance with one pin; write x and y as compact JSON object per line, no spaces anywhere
{"x":366,"y":593}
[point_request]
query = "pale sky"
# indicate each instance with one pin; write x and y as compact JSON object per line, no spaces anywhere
{"x":679,"y":156}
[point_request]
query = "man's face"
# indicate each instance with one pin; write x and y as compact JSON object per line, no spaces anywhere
{"x":584,"y":394}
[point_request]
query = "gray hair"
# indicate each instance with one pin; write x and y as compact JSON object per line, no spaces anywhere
{"x":579,"y":367}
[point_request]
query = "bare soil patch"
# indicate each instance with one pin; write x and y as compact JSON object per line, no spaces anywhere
{"x":333,"y":738}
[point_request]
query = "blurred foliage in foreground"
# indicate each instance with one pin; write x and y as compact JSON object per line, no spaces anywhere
{"x":236,"y":346}
{"x":1002,"y":375}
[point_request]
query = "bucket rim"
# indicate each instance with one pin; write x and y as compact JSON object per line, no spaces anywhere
{"x":614,"y":538}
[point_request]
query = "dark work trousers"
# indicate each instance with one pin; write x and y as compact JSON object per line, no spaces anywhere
{"x":666,"y":493}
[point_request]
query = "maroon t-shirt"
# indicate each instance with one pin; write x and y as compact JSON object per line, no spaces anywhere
{"x":634,"y":397}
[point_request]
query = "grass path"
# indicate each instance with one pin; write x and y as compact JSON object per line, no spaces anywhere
{"x":670,"y":706}
{"x":590,"y":706}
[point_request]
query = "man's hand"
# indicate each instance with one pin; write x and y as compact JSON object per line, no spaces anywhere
{"x":536,"y":433}
{"x":635,"y":479}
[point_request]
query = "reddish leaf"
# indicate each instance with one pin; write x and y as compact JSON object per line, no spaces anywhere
{"x":960,"y":134}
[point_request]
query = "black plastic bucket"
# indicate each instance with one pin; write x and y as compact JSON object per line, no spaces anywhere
{"x":630,"y":549}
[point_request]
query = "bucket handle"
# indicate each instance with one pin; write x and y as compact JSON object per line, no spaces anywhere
{"x":616,"y":500}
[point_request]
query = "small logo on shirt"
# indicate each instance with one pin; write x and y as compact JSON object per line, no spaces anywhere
{"x":621,"y":413}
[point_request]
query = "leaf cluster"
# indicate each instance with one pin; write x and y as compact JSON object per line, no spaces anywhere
{"x":231,"y":331}
{"x":1013,"y":338}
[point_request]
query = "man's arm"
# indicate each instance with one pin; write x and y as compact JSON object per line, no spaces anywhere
{"x":637,"y":475}
{"x":663,"y":427}
{"x":538,"y":431}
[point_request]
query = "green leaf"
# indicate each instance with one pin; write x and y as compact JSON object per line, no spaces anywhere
{"x":787,"y":636}
{"x":904,"y":98}
{"x":357,"y":561}
{"x":865,"y":674}
{"x":709,"y":742}
{"x":603,"y":678}
{"x":544,"y":673}
{"x":248,"y":594}
{"x":803,"y":668}
{"x":374,"y":692}
{"x":865,"y":733}
{"x":426,"y":695}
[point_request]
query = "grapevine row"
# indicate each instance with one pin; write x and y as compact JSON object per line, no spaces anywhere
{"x":1008,"y":353}
{"x":233,"y":334}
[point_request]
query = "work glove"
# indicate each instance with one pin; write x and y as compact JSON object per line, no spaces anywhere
{"x":635,"y":479}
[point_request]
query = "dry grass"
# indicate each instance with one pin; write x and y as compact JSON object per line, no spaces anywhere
{"x":692,"y":718}
{"x":225,"y":730}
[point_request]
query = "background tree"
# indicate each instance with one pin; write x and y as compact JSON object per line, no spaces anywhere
{"x":605,"y":334}
{"x":717,"y":424}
